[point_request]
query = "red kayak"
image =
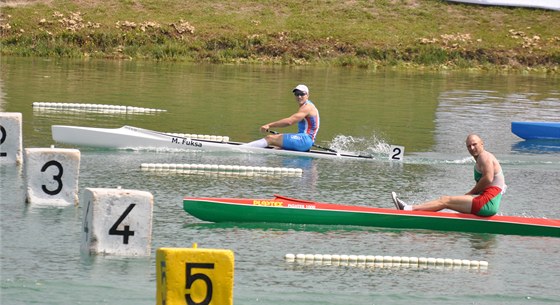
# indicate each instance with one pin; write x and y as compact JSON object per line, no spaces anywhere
{"x":282,"y":209}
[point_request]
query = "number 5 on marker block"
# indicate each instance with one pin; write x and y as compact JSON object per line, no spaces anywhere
{"x":194,"y":276}
{"x":396,"y":153}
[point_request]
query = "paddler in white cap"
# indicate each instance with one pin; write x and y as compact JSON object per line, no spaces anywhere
{"x":307,"y":119}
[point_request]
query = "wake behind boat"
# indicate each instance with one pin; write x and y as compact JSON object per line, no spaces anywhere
{"x":282,"y":209}
{"x":128,"y":137}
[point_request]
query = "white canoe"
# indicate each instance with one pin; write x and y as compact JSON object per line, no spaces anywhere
{"x":542,"y":4}
{"x":128,"y":137}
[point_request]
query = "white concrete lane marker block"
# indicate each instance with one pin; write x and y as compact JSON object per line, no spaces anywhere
{"x":10,"y":138}
{"x":52,"y":176}
{"x":117,"y":222}
{"x":396,"y":153}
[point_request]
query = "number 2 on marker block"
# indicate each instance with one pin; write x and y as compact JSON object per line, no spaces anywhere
{"x":3,"y":135}
{"x":397,"y":153}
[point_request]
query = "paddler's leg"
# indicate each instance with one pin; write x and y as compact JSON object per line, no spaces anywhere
{"x":273,"y":140}
{"x":296,"y":141}
{"x":487,"y":203}
{"x":462,"y":204}
{"x":257,"y":143}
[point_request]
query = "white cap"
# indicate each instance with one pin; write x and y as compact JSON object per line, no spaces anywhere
{"x":301,"y":88}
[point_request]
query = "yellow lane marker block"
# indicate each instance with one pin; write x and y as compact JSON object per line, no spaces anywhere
{"x":194,"y":276}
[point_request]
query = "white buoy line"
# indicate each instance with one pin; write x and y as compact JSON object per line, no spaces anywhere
{"x":200,"y":136}
{"x":93,"y":107}
{"x":379,"y":260}
{"x":221,"y":168}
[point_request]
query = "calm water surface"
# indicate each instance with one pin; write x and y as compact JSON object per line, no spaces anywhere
{"x":361,"y":111}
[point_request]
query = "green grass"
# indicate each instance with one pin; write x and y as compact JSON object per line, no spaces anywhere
{"x":367,"y":34}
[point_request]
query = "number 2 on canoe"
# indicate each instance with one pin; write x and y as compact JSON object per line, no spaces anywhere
{"x":397,"y":153}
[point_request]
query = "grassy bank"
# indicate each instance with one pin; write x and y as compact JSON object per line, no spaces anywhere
{"x":386,"y":33}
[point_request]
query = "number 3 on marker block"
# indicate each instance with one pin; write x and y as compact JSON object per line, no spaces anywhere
{"x":57,"y":178}
{"x":397,"y":153}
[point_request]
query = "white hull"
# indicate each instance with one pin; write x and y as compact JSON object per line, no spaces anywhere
{"x":543,"y":4}
{"x":128,"y":137}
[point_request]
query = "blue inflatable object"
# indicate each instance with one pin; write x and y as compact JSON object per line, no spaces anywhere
{"x":536,"y":130}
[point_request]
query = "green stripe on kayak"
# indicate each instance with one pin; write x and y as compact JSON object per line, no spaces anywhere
{"x":214,"y":211}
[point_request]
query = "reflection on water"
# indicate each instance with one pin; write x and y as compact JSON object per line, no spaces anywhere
{"x":536,"y":146}
{"x":489,"y":113}
{"x":485,"y":242}
{"x":430,"y":114}
{"x":231,"y":100}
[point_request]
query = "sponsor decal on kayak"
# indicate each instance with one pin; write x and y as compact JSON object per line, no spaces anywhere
{"x":185,"y":141}
{"x":267,"y":203}
{"x":281,"y":204}
{"x":301,"y":206}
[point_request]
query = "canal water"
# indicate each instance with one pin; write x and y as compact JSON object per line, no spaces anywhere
{"x":429,"y":113}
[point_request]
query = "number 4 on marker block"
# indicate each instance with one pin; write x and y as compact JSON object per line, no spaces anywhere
{"x":126,"y":232}
{"x":396,"y":153}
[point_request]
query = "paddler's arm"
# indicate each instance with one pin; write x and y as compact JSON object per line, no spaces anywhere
{"x":289,"y":121}
{"x":487,"y":168}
